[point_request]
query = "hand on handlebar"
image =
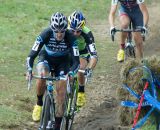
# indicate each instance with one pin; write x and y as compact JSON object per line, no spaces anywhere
{"x":112,"y":31}
{"x":144,"y":30}
{"x":29,"y":75}
{"x":71,"y":74}
{"x":89,"y":72}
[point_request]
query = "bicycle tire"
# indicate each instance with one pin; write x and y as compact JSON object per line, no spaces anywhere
{"x":130,"y":52}
{"x":48,"y":112}
{"x":71,"y":107}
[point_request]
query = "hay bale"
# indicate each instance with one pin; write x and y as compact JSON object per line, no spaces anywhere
{"x":134,"y":80}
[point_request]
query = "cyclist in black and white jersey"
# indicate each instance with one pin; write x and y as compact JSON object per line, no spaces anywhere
{"x":136,"y":12}
{"x":54,"y":46}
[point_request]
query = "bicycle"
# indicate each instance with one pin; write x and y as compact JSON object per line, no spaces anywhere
{"x":47,"y":120}
{"x":71,"y":107}
{"x":70,"y":104}
{"x":147,"y":99}
{"x":129,"y":45}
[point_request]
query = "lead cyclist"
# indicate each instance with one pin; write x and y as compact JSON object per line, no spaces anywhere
{"x":134,"y":11}
{"x":87,"y":50}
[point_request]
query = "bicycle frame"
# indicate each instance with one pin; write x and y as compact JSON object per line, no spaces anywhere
{"x":47,"y":124}
{"x":71,"y":108}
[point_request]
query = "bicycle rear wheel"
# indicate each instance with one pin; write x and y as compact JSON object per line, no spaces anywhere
{"x":48,"y":114}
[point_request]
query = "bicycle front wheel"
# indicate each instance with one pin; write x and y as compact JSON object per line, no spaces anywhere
{"x":48,"y":114}
{"x":71,"y":108}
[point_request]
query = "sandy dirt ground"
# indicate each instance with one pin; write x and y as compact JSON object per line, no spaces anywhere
{"x":101,"y":110}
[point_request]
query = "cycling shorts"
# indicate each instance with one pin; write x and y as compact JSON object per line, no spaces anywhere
{"x":134,"y":14}
{"x":59,"y":65}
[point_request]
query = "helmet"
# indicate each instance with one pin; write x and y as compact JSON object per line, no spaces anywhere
{"x":76,"y":20}
{"x":58,"y":22}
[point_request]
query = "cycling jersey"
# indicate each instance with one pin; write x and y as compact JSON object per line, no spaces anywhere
{"x":127,"y":3}
{"x":55,"y":48}
{"x":86,"y":42}
{"x":132,"y":10}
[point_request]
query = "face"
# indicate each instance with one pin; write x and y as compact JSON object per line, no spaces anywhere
{"x":77,"y":33}
{"x":59,"y":35}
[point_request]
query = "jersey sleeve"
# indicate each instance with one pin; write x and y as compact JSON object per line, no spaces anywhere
{"x":91,"y":46}
{"x":140,"y":1}
{"x":74,"y":51}
{"x":38,"y":44}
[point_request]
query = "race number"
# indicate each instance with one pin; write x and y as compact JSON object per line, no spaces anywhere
{"x":92,"y":47}
{"x":37,"y":43}
{"x":75,"y":51}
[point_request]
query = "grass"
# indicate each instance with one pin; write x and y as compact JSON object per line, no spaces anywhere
{"x":21,"y":21}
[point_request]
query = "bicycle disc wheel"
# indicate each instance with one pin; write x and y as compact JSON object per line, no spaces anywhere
{"x":47,"y":113}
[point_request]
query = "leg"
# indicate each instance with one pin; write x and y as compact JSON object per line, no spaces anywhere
{"x":83,"y":65}
{"x":40,"y":89}
{"x":61,"y":70}
{"x":137,"y":22}
{"x":139,"y":45}
{"x":60,"y":99}
{"x":81,"y":81}
{"x":124,"y":23}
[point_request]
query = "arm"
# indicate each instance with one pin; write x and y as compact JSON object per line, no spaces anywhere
{"x":112,"y":14}
{"x":92,"y":50}
{"x":40,"y":40}
{"x":34,"y":52}
{"x":75,"y":58}
{"x":144,"y":10}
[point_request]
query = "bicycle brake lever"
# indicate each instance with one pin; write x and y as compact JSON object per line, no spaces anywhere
{"x":29,"y":82}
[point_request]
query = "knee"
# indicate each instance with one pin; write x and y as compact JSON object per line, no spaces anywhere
{"x":42,"y":69}
{"x":124,"y":25}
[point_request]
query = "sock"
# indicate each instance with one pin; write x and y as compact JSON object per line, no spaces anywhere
{"x":122,"y":45}
{"x":39,"y":100}
{"x":58,"y":123}
{"x":81,"y":88}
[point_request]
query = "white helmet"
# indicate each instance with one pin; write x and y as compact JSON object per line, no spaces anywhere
{"x":58,"y":22}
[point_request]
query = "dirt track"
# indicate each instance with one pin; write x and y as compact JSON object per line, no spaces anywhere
{"x":104,"y":115}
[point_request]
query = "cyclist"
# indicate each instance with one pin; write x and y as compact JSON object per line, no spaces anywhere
{"x":136,"y":12}
{"x":58,"y":44}
{"x":87,"y":49}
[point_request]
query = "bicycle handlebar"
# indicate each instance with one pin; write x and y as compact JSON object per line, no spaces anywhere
{"x":46,"y":78}
{"x":129,"y":31}
{"x":41,"y":77}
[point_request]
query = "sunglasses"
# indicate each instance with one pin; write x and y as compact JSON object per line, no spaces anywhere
{"x":76,"y":31}
{"x":59,"y":31}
